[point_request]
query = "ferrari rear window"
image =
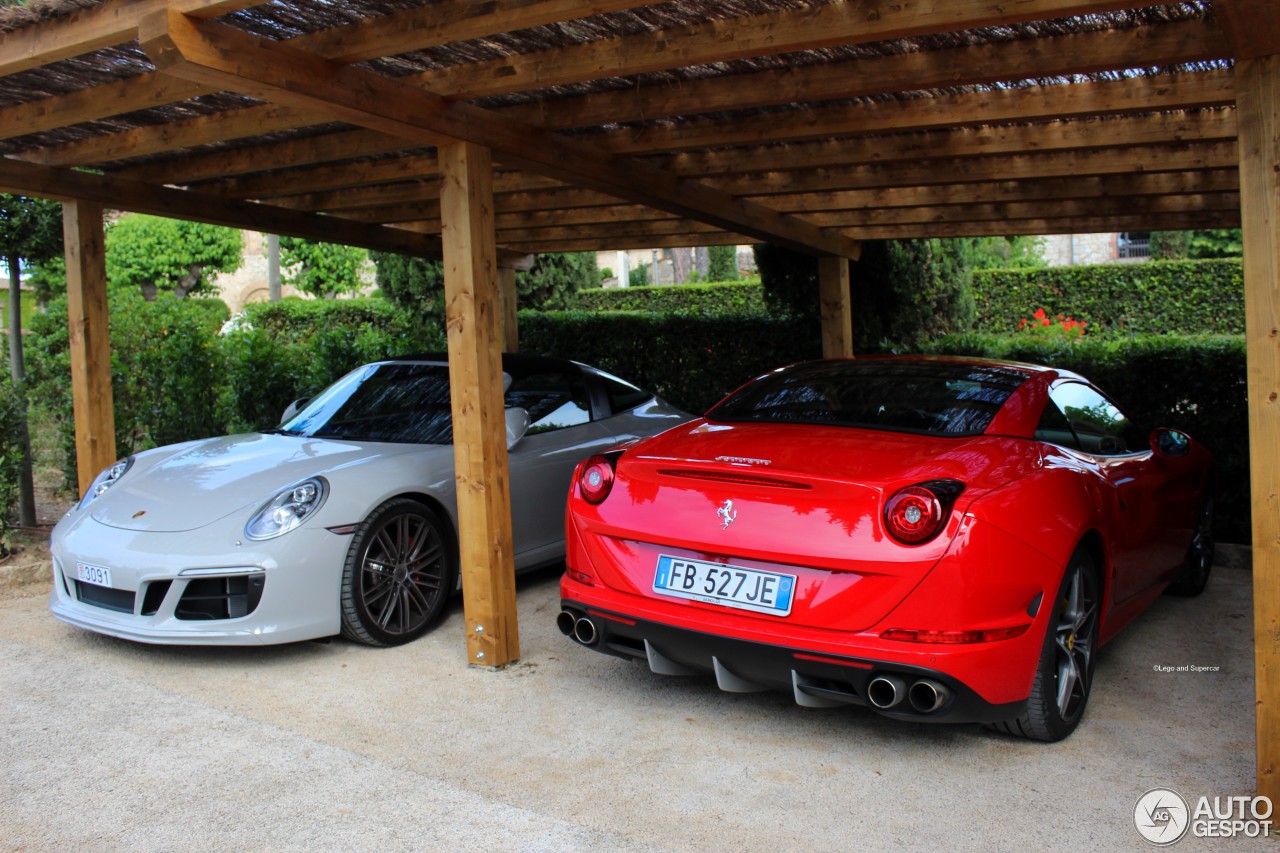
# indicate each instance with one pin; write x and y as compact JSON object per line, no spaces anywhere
{"x":939,"y":398}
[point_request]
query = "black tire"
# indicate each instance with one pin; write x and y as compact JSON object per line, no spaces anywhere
{"x":1195,"y":571}
{"x":1064,"y":675}
{"x":399,"y":574}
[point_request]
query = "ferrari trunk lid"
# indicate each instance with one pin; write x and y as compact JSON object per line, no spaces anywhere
{"x":801,"y":501}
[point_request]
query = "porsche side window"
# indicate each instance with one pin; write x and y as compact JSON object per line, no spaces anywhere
{"x":622,"y":395}
{"x":553,"y":400}
{"x":1099,"y":427}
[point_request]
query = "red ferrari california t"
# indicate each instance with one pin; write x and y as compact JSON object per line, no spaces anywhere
{"x":940,"y":539}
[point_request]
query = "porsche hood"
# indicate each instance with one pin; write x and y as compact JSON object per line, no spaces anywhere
{"x":212,"y":479}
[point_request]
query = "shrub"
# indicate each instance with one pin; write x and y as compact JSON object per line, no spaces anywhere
{"x":1190,"y":297}
{"x":294,"y":348}
{"x":12,"y":407}
{"x":711,"y":298}
{"x":166,"y":370}
{"x":691,"y":360}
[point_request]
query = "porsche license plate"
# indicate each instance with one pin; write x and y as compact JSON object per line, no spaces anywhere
{"x":728,"y":586}
{"x":95,"y":575}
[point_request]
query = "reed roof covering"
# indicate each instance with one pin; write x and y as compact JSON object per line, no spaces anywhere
{"x":619,"y":123}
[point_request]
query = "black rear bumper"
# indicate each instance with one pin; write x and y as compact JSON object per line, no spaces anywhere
{"x":814,"y":679}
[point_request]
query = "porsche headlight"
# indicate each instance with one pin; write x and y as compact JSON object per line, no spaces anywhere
{"x":106,"y":480}
{"x":289,"y":508}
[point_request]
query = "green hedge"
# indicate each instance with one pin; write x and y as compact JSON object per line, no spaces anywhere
{"x":1193,"y":382}
{"x":733,"y":297}
{"x":1189,"y":297}
{"x":692,"y":361}
{"x":179,"y":371}
{"x":278,"y":352}
{"x":12,"y":404}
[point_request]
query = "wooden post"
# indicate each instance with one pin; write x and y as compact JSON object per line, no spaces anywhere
{"x":836,"y":307}
{"x":1258,"y":112}
{"x":510,"y":304}
{"x":472,"y":304}
{"x":90,"y":343}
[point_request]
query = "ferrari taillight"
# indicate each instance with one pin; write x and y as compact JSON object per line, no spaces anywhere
{"x":915,"y":514}
{"x":596,"y":479}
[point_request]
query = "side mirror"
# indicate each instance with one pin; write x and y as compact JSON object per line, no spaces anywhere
{"x":517,"y":425}
{"x":1172,"y":443}
{"x":294,"y":407}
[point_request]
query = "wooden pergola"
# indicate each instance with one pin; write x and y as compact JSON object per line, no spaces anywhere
{"x":482,"y":131}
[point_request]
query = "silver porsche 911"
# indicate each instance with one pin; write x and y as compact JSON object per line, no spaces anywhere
{"x":342,"y":520}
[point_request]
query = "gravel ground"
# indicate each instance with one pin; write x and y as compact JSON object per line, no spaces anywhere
{"x":114,"y":746}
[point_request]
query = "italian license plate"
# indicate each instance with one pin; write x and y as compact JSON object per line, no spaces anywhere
{"x":728,"y":586}
{"x":95,"y":575}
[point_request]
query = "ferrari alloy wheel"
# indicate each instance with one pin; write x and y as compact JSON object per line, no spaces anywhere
{"x":1195,"y":572}
{"x":1064,"y":675}
{"x":398,"y":576}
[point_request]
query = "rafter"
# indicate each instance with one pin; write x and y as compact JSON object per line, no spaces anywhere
{"x":1251,"y":26}
{"x":1108,"y":97}
{"x":220,"y":56}
{"x":413,"y":29}
{"x":1121,"y":140}
{"x":31,"y":179}
{"x":1144,"y":47}
{"x":1080,"y":53}
{"x":112,"y":23}
{"x":831,"y":25}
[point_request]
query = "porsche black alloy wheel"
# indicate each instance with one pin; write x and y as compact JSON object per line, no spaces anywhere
{"x":1064,"y":675}
{"x":398,"y":576}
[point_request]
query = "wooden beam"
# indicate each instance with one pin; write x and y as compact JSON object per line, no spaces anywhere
{"x":1025,"y":59}
{"x":119,"y":194}
{"x":1252,"y":26}
{"x":111,"y":23}
{"x":472,"y":307}
{"x":1209,"y":125}
{"x":90,"y":344}
{"x":835,"y":306}
{"x":510,"y":309}
{"x":230,"y":59}
{"x":1259,"y":108}
{"x":724,"y":40}
{"x":1051,"y":136}
{"x":1163,"y":142}
{"x":1180,"y":221}
{"x":446,"y":21}
{"x":1054,"y":101}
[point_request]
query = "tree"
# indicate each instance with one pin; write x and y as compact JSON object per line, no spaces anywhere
{"x":417,"y":284}
{"x":1197,"y":245}
{"x":155,"y":254}
{"x":903,"y":290}
{"x":547,"y":285}
{"x":322,"y":269}
{"x":722,"y":263}
{"x":30,"y":231}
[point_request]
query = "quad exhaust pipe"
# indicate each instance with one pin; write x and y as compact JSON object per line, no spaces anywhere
{"x":886,"y":691}
{"x":927,"y":696}
{"x":924,"y":696}
{"x":580,"y":628}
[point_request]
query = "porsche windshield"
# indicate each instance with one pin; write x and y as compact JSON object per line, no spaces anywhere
{"x":922,"y":397}
{"x":395,"y":402}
